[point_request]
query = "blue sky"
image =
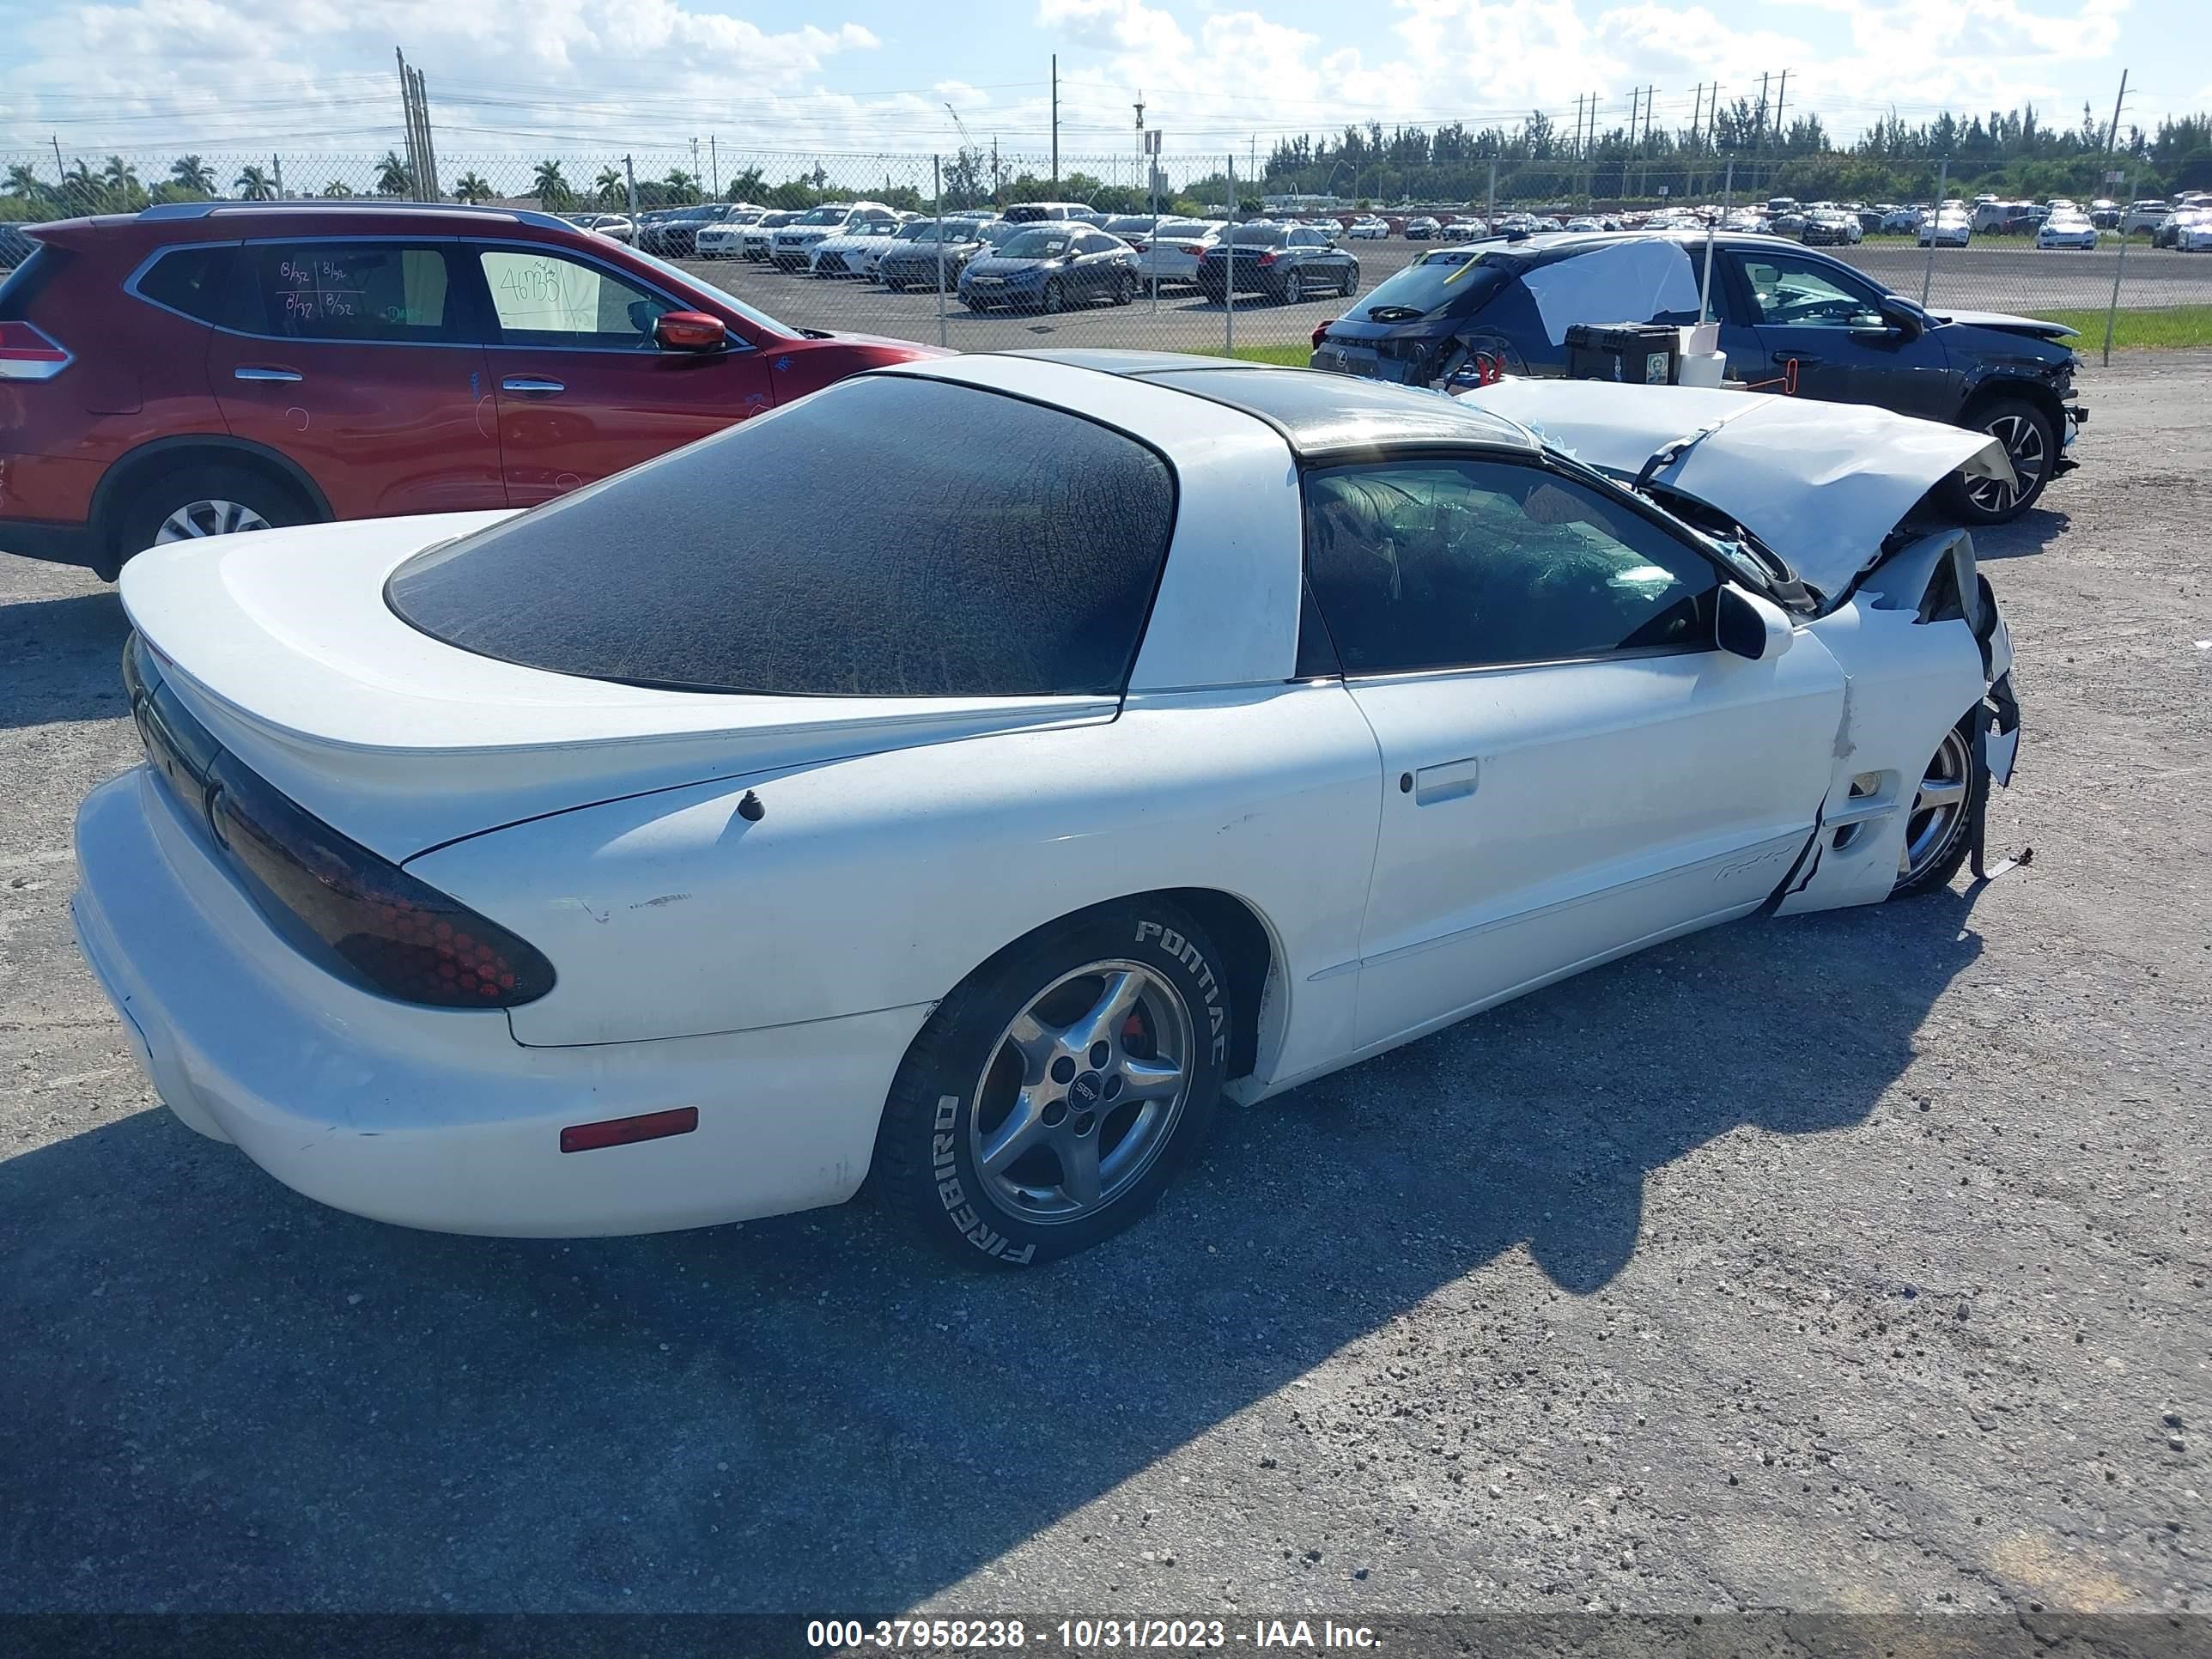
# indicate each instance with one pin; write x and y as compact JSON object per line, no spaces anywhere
{"x":517,"y":77}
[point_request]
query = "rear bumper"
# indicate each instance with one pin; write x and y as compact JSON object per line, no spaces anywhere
{"x":440,"y":1120}
{"x":56,"y":544}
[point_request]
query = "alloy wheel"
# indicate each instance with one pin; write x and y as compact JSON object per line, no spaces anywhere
{"x":2025,"y":448}
{"x":1939,"y":808}
{"x":198,"y":518}
{"x":1082,"y":1092}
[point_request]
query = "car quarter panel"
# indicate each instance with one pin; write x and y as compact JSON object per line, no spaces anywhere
{"x":1227,"y":610}
{"x":1906,"y":683}
{"x":883,"y":880}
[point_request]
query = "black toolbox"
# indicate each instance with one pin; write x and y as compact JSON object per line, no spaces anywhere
{"x":1641,"y":353}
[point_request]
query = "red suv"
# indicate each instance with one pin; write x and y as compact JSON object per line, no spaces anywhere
{"x":208,"y":367}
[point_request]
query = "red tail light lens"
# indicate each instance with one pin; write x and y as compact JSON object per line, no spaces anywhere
{"x":25,"y":353}
{"x":364,"y":918}
{"x":1196,"y":249}
{"x":1321,"y":333}
{"x":356,"y":914}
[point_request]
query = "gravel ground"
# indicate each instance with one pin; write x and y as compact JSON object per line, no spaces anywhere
{"x":1853,"y":1262}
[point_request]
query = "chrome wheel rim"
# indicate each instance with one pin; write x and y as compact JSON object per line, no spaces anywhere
{"x":1051,"y":296}
{"x":1939,"y":808}
{"x":2023,"y":441}
{"x":196,"y":519}
{"x":1082,"y":1092}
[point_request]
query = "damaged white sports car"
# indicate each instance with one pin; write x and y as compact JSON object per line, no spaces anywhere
{"x":1185,"y":730}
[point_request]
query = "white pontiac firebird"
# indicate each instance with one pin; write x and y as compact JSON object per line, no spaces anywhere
{"x":1185,"y":730}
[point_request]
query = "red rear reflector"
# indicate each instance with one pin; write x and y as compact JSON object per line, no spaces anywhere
{"x":28,"y":355}
{"x":621,"y":1131}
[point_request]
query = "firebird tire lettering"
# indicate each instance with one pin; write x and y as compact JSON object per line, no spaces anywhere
{"x":962,"y":1213}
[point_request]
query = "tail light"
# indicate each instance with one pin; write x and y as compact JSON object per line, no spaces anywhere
{"x":1139,"y":247}
{"x":1196,"y":249}
{"x":359,"y":915}
{"x":27,"y":354}
{"x":1321,"y":332}
{"x":1268,"y":257}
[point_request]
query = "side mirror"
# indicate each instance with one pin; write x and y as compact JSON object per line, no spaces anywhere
{"x":1900,"y":322}
{"x":689,"y":331}
{"x":1746,"y":626}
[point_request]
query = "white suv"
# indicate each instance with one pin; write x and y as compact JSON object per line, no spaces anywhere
{"x":790,"y":248}
{"x":725,"y":241}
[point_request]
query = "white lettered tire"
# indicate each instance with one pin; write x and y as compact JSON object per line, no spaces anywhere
{"x":1054,"y":1093}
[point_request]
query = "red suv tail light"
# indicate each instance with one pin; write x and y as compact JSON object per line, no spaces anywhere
{"x":1321,"y":333}
{"x":25,"y":353}
{"x":1268,"y":257}
{"x":356,"y":914}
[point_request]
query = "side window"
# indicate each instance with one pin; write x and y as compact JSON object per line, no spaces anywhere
{"x":195,"y":281}
{"x":1098,"y":243}
{"x":1463,"y":564}
{"x":546,"y":298}
{"x":352,"y":291}
{"x":1794,"y":293}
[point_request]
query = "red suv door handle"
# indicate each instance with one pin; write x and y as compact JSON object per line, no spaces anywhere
{"x":529,"y":385}
{"x":264,"y":372}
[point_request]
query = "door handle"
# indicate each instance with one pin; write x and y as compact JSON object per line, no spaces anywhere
{"x":264,"y":372}
{"x":1803,"y":359}
{"x":1447,"y":781}
{"x":529,"y":385}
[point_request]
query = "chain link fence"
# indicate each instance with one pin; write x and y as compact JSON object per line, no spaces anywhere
{"x":765,"y":227}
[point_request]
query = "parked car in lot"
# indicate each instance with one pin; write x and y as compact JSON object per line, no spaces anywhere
{"x":912,"y":259}
{"x":1369,"y":229}
{"x":855,"y":253}
{"x":1790,"y":316}
{"x":1288,"y":263}
{"x":2066,"y":227}
{"x":726,"y":240}
{"x":432,"y":902}
{"x":1951,"y":226}
{"x":2192,"y":233}
{"x":1050,"y":266}
{"x":2141,"y":217}
{"x":1832,"y":228}
{"x":790,"y":246}
{"x":1422,"y":228}
{"x":15,"y":246}
{"x":614,"y":226}
{"x":201,"y":368}
{"x":1171,"y":257}
{"x":1031,"y":213}
{"x":753,"y":240}
{"x":676,"y":237}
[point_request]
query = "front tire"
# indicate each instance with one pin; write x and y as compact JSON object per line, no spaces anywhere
{"x":1054,"y":299}
{"x":1053,"y":1094}
{"x":1939,"y":826}
{"x":2031,"y":443}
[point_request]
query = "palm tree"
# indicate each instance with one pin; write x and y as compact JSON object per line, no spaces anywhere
{"x":119,"y":177}
{"x":609,"y":186}
{"x":683,"y":187}
{"x":25,"y":184}
{"x":473,"y":187}
{"x":80,"y":189}
{"x":253,"y":184}
{"x":190,"y":172}
{"x":550,"y":186}
{"x":338,"y":188}
{"x":393,"y":178}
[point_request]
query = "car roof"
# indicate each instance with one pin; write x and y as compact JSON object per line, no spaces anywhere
{"x":1321,"y":416}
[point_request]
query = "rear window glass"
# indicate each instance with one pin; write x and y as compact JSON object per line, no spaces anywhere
{"x":1009,"y":550}
{"x":193,"y":280}
{"x":1459,"y":281}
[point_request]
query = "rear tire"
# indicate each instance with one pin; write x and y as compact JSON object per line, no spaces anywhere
{"x":186,"y":503}
{"x":1053,"y":1094}
{"x":2031,"y":441}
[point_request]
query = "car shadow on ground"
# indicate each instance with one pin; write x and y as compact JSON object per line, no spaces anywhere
{"x":64,"y":659}
{"x":2033,"y":531}
{"x":220,"y":1396}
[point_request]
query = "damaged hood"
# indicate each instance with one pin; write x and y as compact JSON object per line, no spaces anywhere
{"x":2006,"y":323}
{"x":1823,"y":484}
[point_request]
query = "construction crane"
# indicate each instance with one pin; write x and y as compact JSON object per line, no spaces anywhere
{"x":969,"y":145}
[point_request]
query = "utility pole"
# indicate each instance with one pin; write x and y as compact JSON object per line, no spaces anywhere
{"x":1577,"y":146}
{"x":1490,"y":200}
{"x":1055,"y":124}
{"x":426,"y":185}
{"x":277,"y":168}
{"x":2112,"y":133}
{"x":1781,"y":132}
{"x":695,"y":164}
{"x":60,"y":172}
{"x":407,"y":119}
{"x":1762,"y":109}
{"x":629,"y":173}
{"x":714,"y":165}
